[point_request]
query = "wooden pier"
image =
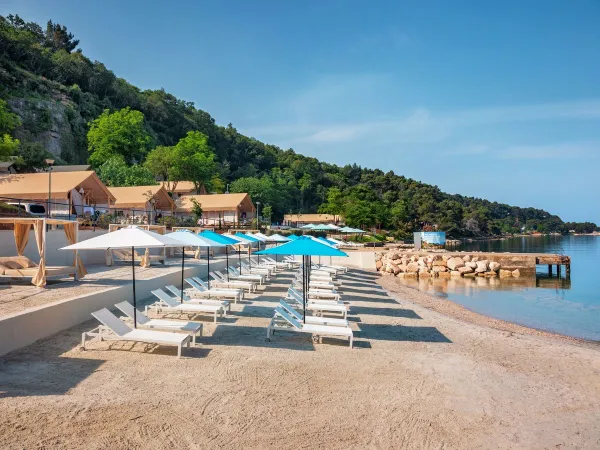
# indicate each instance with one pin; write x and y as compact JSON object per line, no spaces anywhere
{"x":555,"y":260}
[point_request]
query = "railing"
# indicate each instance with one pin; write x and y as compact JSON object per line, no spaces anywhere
{"x":102,"y":217}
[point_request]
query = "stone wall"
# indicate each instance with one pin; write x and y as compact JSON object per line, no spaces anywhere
{"x":410,"y":265}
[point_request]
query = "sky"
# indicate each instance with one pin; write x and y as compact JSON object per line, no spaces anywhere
{"x":498,"y":100}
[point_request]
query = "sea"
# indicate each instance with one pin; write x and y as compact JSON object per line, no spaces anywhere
{"x":569,"y":306}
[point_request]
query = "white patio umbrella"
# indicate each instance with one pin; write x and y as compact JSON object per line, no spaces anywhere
{"x":188,"y":239}
{"x":128,"y":237}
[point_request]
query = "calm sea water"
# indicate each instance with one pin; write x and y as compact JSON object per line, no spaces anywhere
{"x":570,"y":307}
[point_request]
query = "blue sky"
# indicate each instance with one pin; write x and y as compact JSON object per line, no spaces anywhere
{"x":499,"y":100}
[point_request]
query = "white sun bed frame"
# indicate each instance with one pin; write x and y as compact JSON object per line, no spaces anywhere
{"x":201,"y":290}
{"x":194,"y":329}
{"x":220,"y":281}
{"x":168,"y":305}
{"x":317,"y":331}
{"x":113,"y":329}
{"x":198,"y":301}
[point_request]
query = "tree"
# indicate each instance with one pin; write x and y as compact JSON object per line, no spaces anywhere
{"x":32,"y":156}
{"x":121,"y":133}
{"x":267,"y":213}
{"x":8,"y":147}
{"x":160,"y":162}
{"x":57,"y":37}
{"x":8,"y":122}
{"x":196,"y":210}
{"x":194,"y":160}
{"x":335,"y":202}
{"x":115,"y":172}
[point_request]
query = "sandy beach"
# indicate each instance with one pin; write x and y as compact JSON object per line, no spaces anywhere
{"x":417,"y":378}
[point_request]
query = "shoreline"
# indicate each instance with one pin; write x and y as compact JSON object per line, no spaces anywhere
{"x":456,"y":311}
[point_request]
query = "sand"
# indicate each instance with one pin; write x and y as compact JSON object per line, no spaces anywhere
{"x":416,"y":379}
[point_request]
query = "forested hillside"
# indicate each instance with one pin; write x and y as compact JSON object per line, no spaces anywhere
{"x":58,"y":100}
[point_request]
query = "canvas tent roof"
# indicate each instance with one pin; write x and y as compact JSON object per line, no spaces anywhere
{"x":74,"y":168}
{"x":137,"y":196}
{"x":313,"y":218}
{"x":34,"y":186}
{"x":217,"y":202}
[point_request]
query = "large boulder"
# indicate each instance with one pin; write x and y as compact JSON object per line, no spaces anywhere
{"x":424,"y":273}
{"x":504,"y":273}
{"x":482,"y":266}
{"x":444,"y":274}
{"x":395,"y":268}
{"x":491,"y":273}
{"x":378,"y":265}
{"x":455,"y":273}
{"x":467,"y":258}
{"x":438,"y":269}
{"x":455,"y":263}
{"x":494,"y":266}
{"x":422,"y":262}
{"x":412,"y":267}
{"x":465,"y":269}
{"x":439,"y":262}
{"x":472,"y":265}
{"x":516,"y":273}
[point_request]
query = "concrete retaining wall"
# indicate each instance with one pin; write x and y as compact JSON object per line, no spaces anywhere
{"x":358,"y":260}
{"x":24,"y":328}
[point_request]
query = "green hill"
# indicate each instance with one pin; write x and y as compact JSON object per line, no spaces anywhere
{"x":57,"y":91}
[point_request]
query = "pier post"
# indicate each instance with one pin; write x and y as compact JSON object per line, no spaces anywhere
{"x":558,"y":272}
{"x":568,"y":270}
{"x":549,"y":270}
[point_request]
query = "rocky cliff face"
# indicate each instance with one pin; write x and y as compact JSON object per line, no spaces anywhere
{"x":57,"y":125}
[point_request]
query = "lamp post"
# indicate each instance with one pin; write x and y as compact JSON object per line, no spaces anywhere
{"x":258,"y":215}
{"x":49,"y":163}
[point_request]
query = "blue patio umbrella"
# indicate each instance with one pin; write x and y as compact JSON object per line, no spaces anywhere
{"x":252,"y":240}
{"x":189,"y":239}
{"x":227,"y":241}
{"x":306,"y":247}
{"x":292,"y":237}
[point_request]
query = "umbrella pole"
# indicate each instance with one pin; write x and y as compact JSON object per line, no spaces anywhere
{"x":239,"y":260}
{"x":182,"y":263}
{"x":227,"y":262}
{"x":304,"y":293}
{"x":133,"y":278}
{"x":208,"y":266}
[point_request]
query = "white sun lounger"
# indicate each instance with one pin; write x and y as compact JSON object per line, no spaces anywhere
{"x":194,"y":329}
{"x":221,"y":282}
{"x":261,"y":270}
{"x":198,"y":289}
{"x":169,"y":305}
{"x":113,"y":329}
{"x":236,"y":275}
{"x":318,"y":284}
{"x":313,"y":319}
{"x":316,"y":330}
{"x":319,"y":307}
{"x":315,"y":293}
{"x":198,"y":301}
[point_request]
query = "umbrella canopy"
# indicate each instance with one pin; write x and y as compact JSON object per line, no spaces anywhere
{"x":263,"y":236}
{"x":189,"y":239}
{"x":321,"y":227}
{"x":326,"y":241}
{"x":333,"y":227}
{"x":292,"y":237}
{"x":220,"y":238}
{"x":357,"y":230}
{"x":303,"y":246}
{"x":257,"y":237}
{"x":246,"y":238}
{"x":306,"y":247}
{"x":225,"y":240}
{"x":347,"y":230}
{"x":279,"y":238}
{"x":309,"y":226}
{"x":335,"y":241}
{"x":128,"y":237}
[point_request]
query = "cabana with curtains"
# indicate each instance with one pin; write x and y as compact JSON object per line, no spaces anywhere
{"x":22,"y":267}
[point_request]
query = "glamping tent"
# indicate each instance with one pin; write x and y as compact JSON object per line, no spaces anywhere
{"x":22,"y":267}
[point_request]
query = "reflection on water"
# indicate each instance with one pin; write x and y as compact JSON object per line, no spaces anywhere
{"x":569,"y":306}
{"x":442,"y":286}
